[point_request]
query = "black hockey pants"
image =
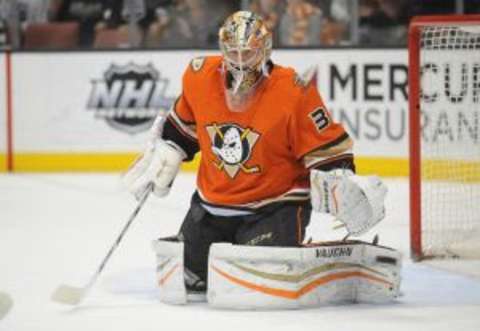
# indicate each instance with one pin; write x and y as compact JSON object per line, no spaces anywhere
{"x":279,"y":224}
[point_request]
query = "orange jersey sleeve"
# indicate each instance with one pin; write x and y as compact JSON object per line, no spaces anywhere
{"x":181,"y":125}
{"x":182,"y":115}
{"x":183,"y":110}
{"x":183,"y":107}
{"x":312,"y":127}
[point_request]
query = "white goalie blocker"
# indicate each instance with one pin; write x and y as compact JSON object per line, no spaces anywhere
{"x":254,"y":277}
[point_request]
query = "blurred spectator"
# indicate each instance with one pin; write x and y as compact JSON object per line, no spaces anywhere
{"x":301,"y":24}
{"x":383,"y":22}
{"x":172,"y":27}
{"x":4,"y":10}
{"x":432,"y":7}
{"x":337,"y":20}
{"x":10,"y":16}
{"x":124,"y":19}
{"x":187,"y":23}
{"x":19,"y":14}
{"x":340,"y":10}
{"x":4,"y":39}
{"x":472,"y":6}
{"x":40,"y":11}
{"x":86,"y":12}
{"x":271,"y":11}
{"x":219,"y":10}
{"x":151,"y":11}
{"x":195,"y":23}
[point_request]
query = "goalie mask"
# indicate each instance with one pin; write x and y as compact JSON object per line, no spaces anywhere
{"x":246,"y":45}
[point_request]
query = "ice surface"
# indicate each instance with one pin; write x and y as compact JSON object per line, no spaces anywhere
{"x":55,"y":229}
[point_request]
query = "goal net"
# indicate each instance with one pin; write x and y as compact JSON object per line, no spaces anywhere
{"x":444,"y":80}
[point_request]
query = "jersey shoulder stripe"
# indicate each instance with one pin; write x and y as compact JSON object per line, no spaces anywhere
{"x":338,"y":145}
{"x":198,"y":72}
{"x":197,"y":63}
{"x":286,"y":82}
{"x":203,"y":65}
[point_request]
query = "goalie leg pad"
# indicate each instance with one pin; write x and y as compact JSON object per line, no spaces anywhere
{"x":386,"y":263}
{"x":170,"y":274}
{"x":249,"y":277}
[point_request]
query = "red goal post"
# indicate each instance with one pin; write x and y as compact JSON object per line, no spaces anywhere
{"x":440,"y":166}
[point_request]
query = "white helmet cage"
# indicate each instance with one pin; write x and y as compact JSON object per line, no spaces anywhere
{"x":246,"y":45}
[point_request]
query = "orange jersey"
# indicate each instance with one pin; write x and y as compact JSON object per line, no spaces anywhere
{"x":253,"y":157}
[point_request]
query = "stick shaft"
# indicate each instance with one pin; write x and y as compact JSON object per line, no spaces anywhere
{"x":120,"y":237}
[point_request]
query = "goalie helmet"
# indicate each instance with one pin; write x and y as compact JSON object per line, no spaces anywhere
{"x":246,"y":45}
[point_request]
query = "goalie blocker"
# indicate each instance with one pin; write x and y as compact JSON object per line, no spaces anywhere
{"x":254,"y":277}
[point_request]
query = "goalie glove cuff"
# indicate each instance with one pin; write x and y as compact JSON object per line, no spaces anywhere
{"x":356,"y":201}
{"x":159,"y":164}
{"x":323,"y":187}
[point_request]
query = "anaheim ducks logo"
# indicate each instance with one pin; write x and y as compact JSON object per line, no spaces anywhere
{"x":233,"y":147}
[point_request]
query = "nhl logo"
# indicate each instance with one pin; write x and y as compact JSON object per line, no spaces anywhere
{"x":233,"y":147}
{"x":129,"y":97}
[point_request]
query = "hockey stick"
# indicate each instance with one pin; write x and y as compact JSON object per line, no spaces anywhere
{"x":6,"y":304}
{"x":72,"y":295}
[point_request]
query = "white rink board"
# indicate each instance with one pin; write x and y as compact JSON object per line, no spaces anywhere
{"x":3,"y":105}
{"x":54,"y":117}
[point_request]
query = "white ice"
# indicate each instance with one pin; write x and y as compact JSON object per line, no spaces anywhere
{"x":55,"y":229}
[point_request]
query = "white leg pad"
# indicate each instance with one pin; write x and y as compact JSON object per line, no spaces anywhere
{"x":170,"y":277}
{"x":249,"y":277}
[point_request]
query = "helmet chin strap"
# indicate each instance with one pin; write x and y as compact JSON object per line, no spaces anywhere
{"x":265,"y":69}
{"x":237,"y":81}
{"x":235,"y":77}
{"x":238,"y":76}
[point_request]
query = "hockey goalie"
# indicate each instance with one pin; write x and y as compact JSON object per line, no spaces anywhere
{"x":270,"y":153}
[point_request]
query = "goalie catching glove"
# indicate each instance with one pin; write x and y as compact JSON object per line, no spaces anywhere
{"x":356,"y":201}
{"x":159,"y":165}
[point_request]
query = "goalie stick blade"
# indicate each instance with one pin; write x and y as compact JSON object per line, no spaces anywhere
{"x":6,"y":304}
{"x":69,"y":295}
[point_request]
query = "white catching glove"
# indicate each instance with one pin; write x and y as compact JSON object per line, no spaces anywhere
{"x":357,"y":201}
{"x":159,"y":165}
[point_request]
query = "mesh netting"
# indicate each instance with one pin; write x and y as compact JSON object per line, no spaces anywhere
{"x":450,"y":121}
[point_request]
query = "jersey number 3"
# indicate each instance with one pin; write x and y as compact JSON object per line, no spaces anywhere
{"x":319,"y":118}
